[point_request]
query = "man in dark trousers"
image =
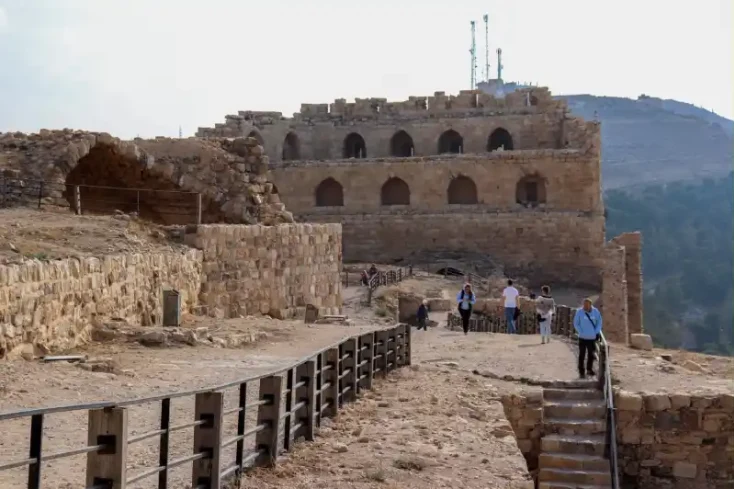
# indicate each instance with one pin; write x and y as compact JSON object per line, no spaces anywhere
{"x":422,"y":316}
{"x":587,"y":323}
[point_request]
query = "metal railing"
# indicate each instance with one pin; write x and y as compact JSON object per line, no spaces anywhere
{"x":527,"y":323}
{"x":297,"y":397}
{"x":171,"y":205}
{"x":605,"y":384}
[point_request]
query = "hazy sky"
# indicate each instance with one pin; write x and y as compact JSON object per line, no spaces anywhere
{"x":144,"y":67}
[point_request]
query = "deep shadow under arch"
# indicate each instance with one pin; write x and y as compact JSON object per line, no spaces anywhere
{"x":395,"y":192}
{"x":354,"y":146}
{"x":291,"y":147}
{"x":500,"y":138}
{"x":401,"y":144}
{"x":450,"y":142}
{"x":329,"y":193}
{"x":462,"y":190}
{"x":530,"y":191}
{"x":255,"y":134}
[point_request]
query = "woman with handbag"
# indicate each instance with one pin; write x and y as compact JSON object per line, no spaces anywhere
{"x":545,"y":307}
{"x":466,"y":300}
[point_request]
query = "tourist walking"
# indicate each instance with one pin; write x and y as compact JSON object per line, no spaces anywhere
{"x":422,"y":316}
{"x":587,"y":323}
{"x":511,"y":296}
{"x":466,"y":300}
{"x":545,"y":307}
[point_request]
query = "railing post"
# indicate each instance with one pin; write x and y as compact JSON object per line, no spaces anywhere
{"x":367,"y":355}
{"x":108,"y":466}
{"x":381,"y":340}
{"x":268,"y":414}
{"x":36,"y":451}
{"x":320,"y":375}
{"x":198,"y":208}
{"x":407,"y":353}
{"x":351,"y":380}
{"x":331,"y":381}
{"x":400,"y":345}
{"x":137,"y":202}
{"x":288,"y":421}
{"x":209,"y":408}
{"x":77,"y":200}
{"x":306,"y":373}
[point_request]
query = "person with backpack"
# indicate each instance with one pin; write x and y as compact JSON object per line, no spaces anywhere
{"x":587,"y":323}
{"x":422,"y":316}
{"x":466,"y":300}
{"x":545,"y":308}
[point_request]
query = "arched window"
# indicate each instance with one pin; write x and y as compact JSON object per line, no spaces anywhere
{"x":291,"y":147}
{"x":354,"y":146}
{"x":256,"y":135}
{"x":530,"y":191}
{"x":395,"y":192}
{"x":463,"y":191}
{"x":401,"y":144}
{"x":450,"y":142}
{"x":500,"y":138}
{"x":329,"y":193}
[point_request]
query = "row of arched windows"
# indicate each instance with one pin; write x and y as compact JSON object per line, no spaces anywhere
{"x":401,"y":144}
{"x":529,"y":191}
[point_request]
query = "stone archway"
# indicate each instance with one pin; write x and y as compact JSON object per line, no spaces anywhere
{"x":354,"y":146}
{"x":329,"y":193}
{"x":500,"y":138}
{"x":401,"y":145}
{"x":256,"y":134}
{"x":530,"y":191}
{"x":395,"y":192}
{"x":462,"y":191}
{"x":450,"y":142}
{"x":291,"y":147}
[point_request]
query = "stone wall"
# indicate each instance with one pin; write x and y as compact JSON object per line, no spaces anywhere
{"x":614,"y":294}
{"x":632,"y":243}
{"x":51,"y":305}
{"x":524,"y":410}
{"x":681,"y":440}
{"x":275,"y":270}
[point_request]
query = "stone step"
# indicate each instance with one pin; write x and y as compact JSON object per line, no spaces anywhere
{"x":575,"y":476}
{"x":563,"y":485}
{"x":573,"y":461}
{"x":568,"y":394}
{"x":577,"y":409}
{"x":589,"y":383}
{"x":579,"y":444}
{"x":571,"y":426}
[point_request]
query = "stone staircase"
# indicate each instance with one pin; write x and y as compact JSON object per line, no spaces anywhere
{"x":572,"y":448}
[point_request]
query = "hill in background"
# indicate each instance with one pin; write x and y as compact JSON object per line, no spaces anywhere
{"x":652,"y":141}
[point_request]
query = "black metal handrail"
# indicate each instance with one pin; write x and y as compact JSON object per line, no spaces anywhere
{"x":605,"y":383}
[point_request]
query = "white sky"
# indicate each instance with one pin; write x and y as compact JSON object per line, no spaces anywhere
{"x":144,"y":67}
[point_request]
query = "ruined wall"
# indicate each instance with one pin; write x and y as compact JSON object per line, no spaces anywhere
{"x":395,"y":208}
{"x":276,"y":270}
{"x":614,"y":294}
{"x":679,"y":440}
{"x":52,"y":305}
{"x":632,"y":243}
{"x":524,"y":410}
{"x":527,"y":119}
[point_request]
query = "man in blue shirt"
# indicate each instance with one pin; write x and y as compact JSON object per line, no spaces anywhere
{"x":587,"y":323}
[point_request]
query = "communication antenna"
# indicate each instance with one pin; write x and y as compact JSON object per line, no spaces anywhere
{"x":499,"y":64}
{"x":486,"y":47}
{"x":180,"y":133}
{"x":473,"y":52}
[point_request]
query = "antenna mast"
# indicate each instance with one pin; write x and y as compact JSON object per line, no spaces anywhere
{"x":499,"y":64}
{"x":486,"y":47}
{"x":473,"y":52}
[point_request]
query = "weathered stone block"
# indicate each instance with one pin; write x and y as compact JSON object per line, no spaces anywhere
{"x":641,"y":341}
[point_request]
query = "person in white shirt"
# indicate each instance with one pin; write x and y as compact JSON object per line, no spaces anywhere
{"x":511,"y":296}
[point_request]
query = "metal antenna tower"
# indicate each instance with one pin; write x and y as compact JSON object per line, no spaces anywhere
{"x":486,"y":47}
{"x":473,"y":52}
{"x":499,"y":63}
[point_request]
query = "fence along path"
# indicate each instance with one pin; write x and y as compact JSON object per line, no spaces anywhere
{"x":288,"y":406}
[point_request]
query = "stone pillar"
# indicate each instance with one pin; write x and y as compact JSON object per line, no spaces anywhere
{"x":632,"y":243}
{"x":614,"y":294}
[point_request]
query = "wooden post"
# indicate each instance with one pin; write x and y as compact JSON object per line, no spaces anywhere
{"x":391,"y":351}
{"x":367,"y":354}
{"x":306,"y":372}
{"x":108,"y":466}
{"x":77,"y":200}
{"x":137,"y":202}
{"x":320,"y":361}
{"x":198,"y":208}
{"x":399,"y":345}
{"x":351,"y":380}
{"x":331,"y":377}
{"x":288,"y":421}
{"x":266,"y":441}
{"x":381,"y":338}
{"x":407,"y":354}
{"x":209,"y":408}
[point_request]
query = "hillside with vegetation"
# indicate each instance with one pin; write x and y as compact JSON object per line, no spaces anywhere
{"x":688,"y":263}
{"x":650,"y":140}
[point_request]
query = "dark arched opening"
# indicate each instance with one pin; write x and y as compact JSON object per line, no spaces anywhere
{"x":530,"y":191}
{"x":395,"y":192}
{"x":354,"y":146}
{"x":258,"y":136}
{"x":500,"y":138}
{"x":450,"y":142}
{"x":401,"y":144}
{"x":291,"y":147}
{"x":462,"y":190}
{"x":329,"y":193}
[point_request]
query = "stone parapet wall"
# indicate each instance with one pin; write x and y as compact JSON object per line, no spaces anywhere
{"x":614,"y":294}
{"x":524,"y":410}
{"x":632,"y":243}
{"x":679,"y":440}
{"x":276,"y":270}
{"x":51,"y":305}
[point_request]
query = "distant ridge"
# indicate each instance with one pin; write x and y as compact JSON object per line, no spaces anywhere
{"x":650,"y":140}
